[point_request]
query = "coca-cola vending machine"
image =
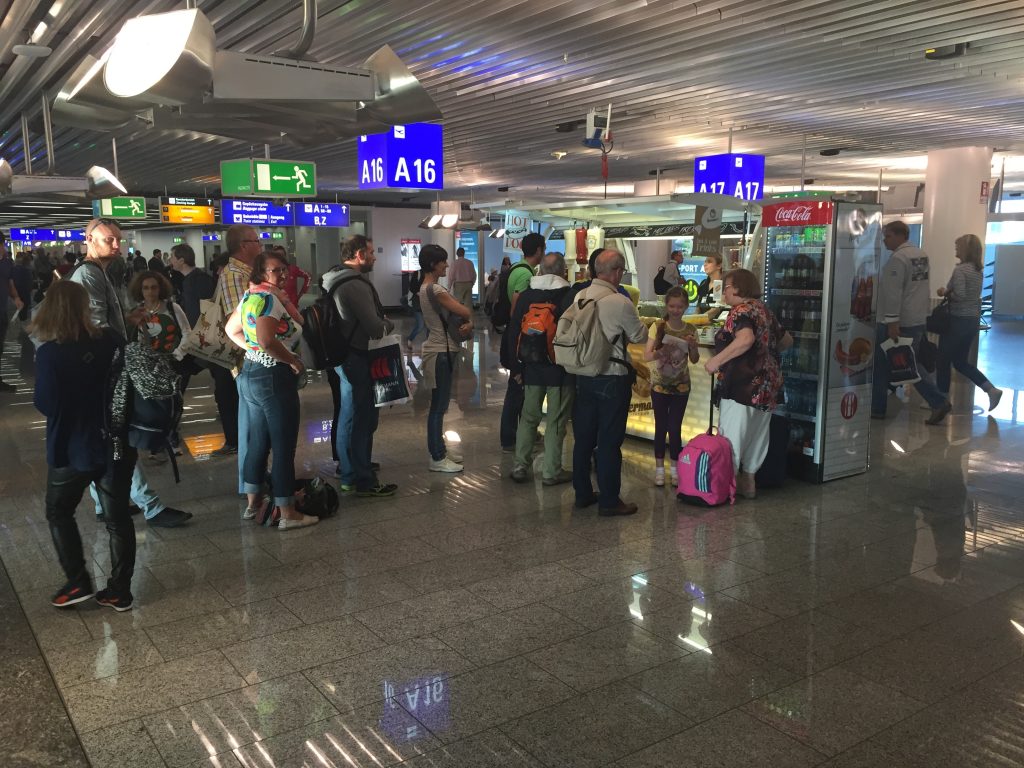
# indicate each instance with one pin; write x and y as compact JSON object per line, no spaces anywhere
{"x":821,"y":271}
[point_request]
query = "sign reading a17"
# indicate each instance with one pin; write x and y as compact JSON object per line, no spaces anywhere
{"x":737,"y":175}
{"x":407,"y":156}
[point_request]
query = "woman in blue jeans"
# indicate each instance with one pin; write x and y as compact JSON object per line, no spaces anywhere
{"x":441,"y":312}
{"x":268,"y":327}
{"x":964,"y":294}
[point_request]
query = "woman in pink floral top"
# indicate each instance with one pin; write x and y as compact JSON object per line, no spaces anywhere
{"x":749,"y":377}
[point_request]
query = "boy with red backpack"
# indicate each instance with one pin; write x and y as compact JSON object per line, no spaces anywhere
{"x":533,"y":324}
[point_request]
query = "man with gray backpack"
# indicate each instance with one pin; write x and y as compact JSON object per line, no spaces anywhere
{"x":591,"y":342}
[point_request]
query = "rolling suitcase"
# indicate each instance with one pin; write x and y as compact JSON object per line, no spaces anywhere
{"x":707,"y":477}
{"x":772,"y":473}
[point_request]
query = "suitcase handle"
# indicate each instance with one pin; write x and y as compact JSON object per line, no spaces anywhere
{"x":711,"y":410}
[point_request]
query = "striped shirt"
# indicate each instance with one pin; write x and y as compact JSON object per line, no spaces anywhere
{"x":964,"y":291}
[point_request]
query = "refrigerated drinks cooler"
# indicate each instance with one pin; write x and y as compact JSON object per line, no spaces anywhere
{"x":821,"y":273}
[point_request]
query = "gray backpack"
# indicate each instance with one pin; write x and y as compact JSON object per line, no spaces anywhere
{"x":580,"y":345}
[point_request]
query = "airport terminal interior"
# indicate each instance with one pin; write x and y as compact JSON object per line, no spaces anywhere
{"x":469,"y":621}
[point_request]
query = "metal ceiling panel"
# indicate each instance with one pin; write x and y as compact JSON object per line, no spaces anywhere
{"x":847,"y":74}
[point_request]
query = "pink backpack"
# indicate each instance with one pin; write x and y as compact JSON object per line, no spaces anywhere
{"x":707,"y":477}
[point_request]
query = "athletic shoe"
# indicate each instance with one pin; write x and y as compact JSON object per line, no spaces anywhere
{"x":939,"y":413}
{"x":563,"y":476}
{"x":249,"y":513}
{"x":306,"y":520}
{"x":170,"y":518}
{"x":673,"y":475}
{"x":380,"y":490}
{"x":346,"y":488}
{"x":225,"y":450}
{"x":445,"y":465}
{"x":111,"y":599}
{"x":659,"y":476}
{"x":73,"y":592}
{"x":519,"y":473}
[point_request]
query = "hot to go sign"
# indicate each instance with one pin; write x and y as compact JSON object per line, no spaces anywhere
{"x":517,"y":226}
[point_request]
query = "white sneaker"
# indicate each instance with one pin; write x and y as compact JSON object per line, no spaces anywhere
{"x":249,"y":513}
{"x":286,"y":525}
{"x":445,"y":465}
{"x":659,"y":476}
{"x":673,"y":475}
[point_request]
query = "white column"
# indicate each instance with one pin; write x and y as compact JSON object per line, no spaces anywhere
{"x":953,"y":205}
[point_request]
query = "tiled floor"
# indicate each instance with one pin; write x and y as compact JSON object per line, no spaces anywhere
{"x":471,"y":621}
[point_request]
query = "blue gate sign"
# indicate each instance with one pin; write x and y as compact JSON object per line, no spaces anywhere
{"x":320,"y":214}
{"x":406,"y":157}
{"x":735,"y":175}
{"x":257,"y":213}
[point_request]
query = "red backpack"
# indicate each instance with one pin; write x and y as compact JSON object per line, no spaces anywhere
{"x":537,"y":334}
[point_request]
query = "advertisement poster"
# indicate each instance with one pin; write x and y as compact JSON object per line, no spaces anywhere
{"x":517,"y":226}
{"x":411,"y":255}
{"x":707,"y":232}
{"x":469,"y":242}
{"x":850,"y":345}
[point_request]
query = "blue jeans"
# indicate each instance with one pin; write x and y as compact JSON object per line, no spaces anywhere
{"x":343,"y":427}
{"x":599,"y":420}
{"x":364,"y":418}
{"x":417,"y":326}
{"x":141,"y":495}
{"x":510,"y":412}
{"x":954,"y":346}
{"x":439,"y":398}
{"x":271,"y":398}
{"x":880,"y":383}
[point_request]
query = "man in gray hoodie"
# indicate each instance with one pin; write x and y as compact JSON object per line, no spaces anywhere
{"x":904,"y":301}
{"x":362,"y":319}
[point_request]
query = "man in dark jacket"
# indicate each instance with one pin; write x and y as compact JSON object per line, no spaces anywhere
{"x":362,"y":317}
{"x":546,"y":294}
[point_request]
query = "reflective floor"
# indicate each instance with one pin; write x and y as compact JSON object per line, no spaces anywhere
{"x":471,"y":621}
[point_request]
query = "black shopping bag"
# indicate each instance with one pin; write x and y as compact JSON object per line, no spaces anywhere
{"x":902,"y":361}
{"x":387,"y":371}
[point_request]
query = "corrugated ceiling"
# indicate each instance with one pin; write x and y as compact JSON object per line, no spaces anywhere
{"x":849,"y":75}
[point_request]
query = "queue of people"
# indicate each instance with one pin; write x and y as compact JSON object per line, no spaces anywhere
{"x":84,"y":332}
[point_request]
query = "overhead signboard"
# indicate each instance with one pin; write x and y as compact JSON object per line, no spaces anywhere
{"x":187,"y":210}
{"x":735,"y":175}
{"x":406,"y":157}
{"x":258,"y":213}
{"x":320,"y":214}
{"x":41,"y":235}
{"x":268,"y":178}
{"x":120,"y":207}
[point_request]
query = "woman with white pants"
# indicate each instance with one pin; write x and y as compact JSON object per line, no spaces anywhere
{"x":749,"y":377}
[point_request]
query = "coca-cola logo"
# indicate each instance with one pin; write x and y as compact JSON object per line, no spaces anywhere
{"x":797,"y":214}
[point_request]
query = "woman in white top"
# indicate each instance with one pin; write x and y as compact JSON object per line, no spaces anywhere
{"x":447,"y":321}
{"x":964,"y":294}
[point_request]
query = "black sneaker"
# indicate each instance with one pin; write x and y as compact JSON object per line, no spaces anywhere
{"x":379,"y":490}
{"x":112,"y":599}
{"x":225,"y":450}
{"x":170,"y":518}
{"x":73,"y":592}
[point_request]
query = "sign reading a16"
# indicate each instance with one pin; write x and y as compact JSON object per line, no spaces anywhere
{"x":408,"y":156}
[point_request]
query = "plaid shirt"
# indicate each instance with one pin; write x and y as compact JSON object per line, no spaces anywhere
{"x":232,"y":285}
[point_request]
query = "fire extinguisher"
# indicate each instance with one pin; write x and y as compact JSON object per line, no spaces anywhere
{"x":581,"y":245}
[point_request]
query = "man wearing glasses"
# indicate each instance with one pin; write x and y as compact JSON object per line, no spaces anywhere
{"x":243,"y":244}
{"x":103,"y":245}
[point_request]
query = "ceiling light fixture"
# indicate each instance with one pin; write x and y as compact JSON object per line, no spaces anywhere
{"x":32,"y":51}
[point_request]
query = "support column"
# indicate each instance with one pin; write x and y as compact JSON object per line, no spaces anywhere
{"x":953,"y":205}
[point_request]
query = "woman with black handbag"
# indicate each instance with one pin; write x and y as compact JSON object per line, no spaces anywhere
{"x":963,"y":292}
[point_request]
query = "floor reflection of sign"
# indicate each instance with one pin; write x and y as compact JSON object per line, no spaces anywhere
{"x":201,"y":446}
{"x":319,"y":432}
{"x":425,"y":699}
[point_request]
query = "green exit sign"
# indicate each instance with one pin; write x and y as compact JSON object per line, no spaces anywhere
{"x":120,"y":207}
{"x":268,"y":178}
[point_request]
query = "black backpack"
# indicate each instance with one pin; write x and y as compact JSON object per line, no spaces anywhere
{"x":322,"y":330}
{"x":502,"y":311}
